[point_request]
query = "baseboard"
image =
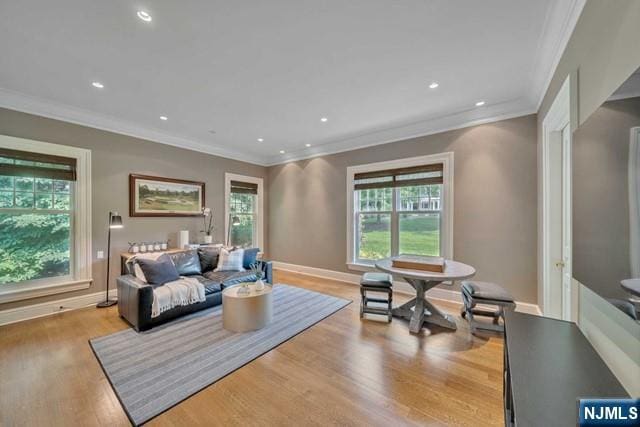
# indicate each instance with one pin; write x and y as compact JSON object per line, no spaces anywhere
{"x":33,"y":311}
{"x":448,"y":295}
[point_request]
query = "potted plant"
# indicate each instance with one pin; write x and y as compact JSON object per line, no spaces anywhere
{"x":207,"y":221}
{"x":256,"y":269}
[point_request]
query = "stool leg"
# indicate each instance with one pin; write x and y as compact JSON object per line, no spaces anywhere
{"x":390,"y":305}
{"x":362,"y":302}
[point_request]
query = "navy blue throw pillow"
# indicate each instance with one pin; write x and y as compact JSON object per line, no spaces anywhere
{"x":158,"y":271}
{"x":250,"y":256}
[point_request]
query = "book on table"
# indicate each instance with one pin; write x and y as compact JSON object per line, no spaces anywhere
{"x":424,"y":263}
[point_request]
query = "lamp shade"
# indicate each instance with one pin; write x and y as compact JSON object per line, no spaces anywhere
{"x":235,"y":220}
{"x":115,"y":220}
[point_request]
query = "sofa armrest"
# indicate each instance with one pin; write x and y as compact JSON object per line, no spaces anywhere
{"x":267,"y":270}
{"x":135,"y":298}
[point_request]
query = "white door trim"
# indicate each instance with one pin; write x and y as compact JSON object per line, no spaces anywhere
{"x":563,"y":113}
{"x":634,"y":200}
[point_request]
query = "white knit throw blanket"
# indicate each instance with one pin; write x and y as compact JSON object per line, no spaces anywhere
{"x":183,"y":291}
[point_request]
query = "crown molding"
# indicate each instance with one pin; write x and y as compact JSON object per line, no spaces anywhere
{"x":458,"y":120}
{"x":46,"y":108}
{"x":560,"y":21}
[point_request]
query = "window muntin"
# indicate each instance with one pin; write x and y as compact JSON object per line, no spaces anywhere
{"x":36,"y":228}
{"x":243,"y":205}
{"x":400,"y":220}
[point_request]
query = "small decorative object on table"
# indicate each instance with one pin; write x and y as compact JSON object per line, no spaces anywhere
{"x":244,"y":289}
{"x":133,"y":248}
{"x":256,"y":269}
{"x":207,"y":220}
{"x":424,"y":263}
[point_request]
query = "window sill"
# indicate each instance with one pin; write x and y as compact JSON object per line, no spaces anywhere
{"x":34,"y":291}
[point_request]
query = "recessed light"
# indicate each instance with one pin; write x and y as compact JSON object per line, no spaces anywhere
{"x":479,"y":103}
{"x":260,"y":139}
{"x":165,"y":118}
{"x":144,"y":16}
{"x":324,"y":119}
{"x":98,"y":85}
{"x":433,"y":85}
{"x":307,"y":145}
{"x":281,"y":151}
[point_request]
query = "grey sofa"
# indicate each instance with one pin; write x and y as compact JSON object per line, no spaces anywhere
{"x":135,"y":296}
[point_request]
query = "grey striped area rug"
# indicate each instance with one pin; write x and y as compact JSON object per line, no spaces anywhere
{"x":154,"y":370}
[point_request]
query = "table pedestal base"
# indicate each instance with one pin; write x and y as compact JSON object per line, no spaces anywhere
{"x":419,"y":310}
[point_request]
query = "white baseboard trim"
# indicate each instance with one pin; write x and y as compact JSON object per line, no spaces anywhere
{"x":448,"y":295}
{"x":33,"y":311}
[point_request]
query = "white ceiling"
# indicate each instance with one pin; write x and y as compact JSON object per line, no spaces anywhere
{"x":272,"y":69}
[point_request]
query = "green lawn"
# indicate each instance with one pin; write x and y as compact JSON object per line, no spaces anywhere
{"x":419,"y":235}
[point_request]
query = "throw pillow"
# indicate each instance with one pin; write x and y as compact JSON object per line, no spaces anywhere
{"x":208,"y":258}
{"x":133,"y":261}
{"x":159,"y":271}
{"x":250,"y":256}
{"x":230,"y":260}
{"x":187,"y":263}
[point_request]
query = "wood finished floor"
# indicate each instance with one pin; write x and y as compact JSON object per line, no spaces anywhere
{"x":342,"y":371}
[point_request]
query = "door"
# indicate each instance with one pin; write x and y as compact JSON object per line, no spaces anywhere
{"x":558,"y":298}
{"x":565,"y":260}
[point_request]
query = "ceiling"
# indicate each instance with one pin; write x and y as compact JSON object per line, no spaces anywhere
{"x":226,"y":73}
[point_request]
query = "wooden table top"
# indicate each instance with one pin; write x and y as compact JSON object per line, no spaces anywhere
{"x":454,"y":270}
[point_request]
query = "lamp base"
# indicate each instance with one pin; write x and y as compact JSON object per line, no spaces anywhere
{"x":107,"y":303}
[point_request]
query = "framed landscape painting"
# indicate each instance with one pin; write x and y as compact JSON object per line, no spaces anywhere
{"x":156,"y":196}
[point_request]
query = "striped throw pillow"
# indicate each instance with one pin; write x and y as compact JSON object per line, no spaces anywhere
{"x":230,"y":260}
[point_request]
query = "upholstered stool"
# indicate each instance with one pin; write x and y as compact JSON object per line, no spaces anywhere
{"x":379,"y":283}
{"x":485,"y":293}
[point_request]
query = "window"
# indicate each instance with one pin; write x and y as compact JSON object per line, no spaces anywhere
{"x":41,"y":218}
{"x":243,"y":220}
{"x":400,"y":207}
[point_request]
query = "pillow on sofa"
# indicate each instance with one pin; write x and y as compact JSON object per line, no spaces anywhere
{"x":135,"y":267}
{"x":250,"y":256}
{"x":159,"y":271}
{"x":208,"y":258}
{"x":230,"y":260}
{"x":187,"y":263}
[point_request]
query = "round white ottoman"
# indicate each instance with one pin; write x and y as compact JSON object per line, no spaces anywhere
{"x":242,"y":313}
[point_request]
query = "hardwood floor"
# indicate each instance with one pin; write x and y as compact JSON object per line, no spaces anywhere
{"x":342,"y":371}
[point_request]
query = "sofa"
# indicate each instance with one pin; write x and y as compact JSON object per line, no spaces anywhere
{"x":135,"y":296}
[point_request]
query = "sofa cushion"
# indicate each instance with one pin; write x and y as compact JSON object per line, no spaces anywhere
{"x":250,"y":256}
{"x":229,"y":278}
{"x":159,"y":271}
{"x":208,"y":258}
{"x":187,"y":263}
{"x":230,"y":260}
{"x":210,"y":286}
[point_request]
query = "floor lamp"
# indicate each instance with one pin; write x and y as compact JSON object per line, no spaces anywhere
{"x":234,"y":221}
{"x":115,"y":221}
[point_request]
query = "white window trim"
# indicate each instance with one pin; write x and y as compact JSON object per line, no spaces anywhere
{"x":446,"y":200}
{"x":228,"y":177}
{"x":81,"y":277}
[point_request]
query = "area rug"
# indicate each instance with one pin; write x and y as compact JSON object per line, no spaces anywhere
{"x":155,"y":370}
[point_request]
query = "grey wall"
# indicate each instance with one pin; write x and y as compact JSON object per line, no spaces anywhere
{"x":114,"y":157}
{"x":601,"y":197}
{"x":495,"y":202}
{"x":603,"y":49}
